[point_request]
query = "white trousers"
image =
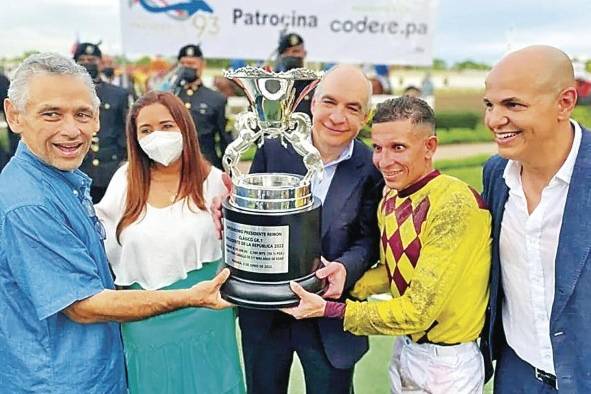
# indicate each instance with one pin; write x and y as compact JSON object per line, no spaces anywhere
{"x":434,"y":369}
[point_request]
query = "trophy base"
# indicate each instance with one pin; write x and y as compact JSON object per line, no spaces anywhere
{"x":269,"y":295}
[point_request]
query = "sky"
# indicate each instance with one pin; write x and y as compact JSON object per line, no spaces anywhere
{"x":465,"y":29}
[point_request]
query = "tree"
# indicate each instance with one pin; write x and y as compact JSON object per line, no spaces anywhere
{"x":439,"y":64}
{"x":143,"y":61}
{"x":470,"y":65}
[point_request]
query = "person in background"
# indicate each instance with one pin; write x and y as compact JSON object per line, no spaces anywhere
{"x":383,"y":75}
{"x":427,"y":88}
{"x":5,"y":152}
{"x":160,"y":236}
{"x":107,"y":148}
{"x":377,"y":88}
{"x":412,"y":91}
{"x":108,"y":70}
{"x":207,"y":107}
{"x":291,"y":53}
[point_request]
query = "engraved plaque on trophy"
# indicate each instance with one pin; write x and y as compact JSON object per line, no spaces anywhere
{"x":271,"y":220}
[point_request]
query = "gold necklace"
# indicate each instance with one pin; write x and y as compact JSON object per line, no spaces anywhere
{"x":162,"y":189}
{"x":163,"y":184}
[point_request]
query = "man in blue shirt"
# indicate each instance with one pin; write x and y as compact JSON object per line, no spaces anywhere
{"x":58,"y":308}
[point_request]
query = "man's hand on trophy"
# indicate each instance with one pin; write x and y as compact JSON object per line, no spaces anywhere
{"x":311,"y":305}
{"x":206,"y":294}
{"x":336,"y":274}
{"x":216,"y":205}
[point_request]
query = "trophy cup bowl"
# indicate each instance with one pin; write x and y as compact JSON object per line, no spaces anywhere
{"x":271,"y":220}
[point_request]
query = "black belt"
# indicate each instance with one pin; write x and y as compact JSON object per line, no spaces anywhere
{"x":424,"y":339}
{"x":546,"y":377}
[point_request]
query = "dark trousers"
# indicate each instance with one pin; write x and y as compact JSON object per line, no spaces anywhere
{"x":207,"y":145}
{"x":97,"y":193}
{"x":4,"y":157}
{"x":515,"y":376}
{"x":268,"y":359}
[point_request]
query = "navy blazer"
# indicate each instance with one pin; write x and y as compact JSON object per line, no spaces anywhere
{"x":570,"y":320}
{"x":349,"y":234}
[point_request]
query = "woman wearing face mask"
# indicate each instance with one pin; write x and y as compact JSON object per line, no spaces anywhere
{"x":160,"y":235}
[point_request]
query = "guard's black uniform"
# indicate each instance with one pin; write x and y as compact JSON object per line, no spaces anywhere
{"x":4,"y":154}
{"x":304,"y":105}
{"x":108,"y":146}
{"x":208,"y":109}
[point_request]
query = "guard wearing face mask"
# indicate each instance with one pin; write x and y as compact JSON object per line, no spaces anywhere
{"x":291,"y":54}
{"x":207,"y":107}
{"x":108,"y":146}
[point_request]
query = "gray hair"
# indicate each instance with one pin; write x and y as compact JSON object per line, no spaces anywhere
{"x":50,"y":63}
{"x":319,"y":87}
{"x":404,"y":108}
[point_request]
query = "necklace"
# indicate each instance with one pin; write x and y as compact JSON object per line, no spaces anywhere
{"x":165,"y":190}
{"x":164,"y":187}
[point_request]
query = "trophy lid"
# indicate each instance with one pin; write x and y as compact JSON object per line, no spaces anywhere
{"x":272,"y":95}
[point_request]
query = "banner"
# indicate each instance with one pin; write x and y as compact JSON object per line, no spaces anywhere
{"x":335,"y":31}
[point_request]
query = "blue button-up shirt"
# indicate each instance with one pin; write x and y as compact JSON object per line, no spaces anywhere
{"x":52,"y":255}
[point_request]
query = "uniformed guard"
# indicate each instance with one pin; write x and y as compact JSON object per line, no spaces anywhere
{"x":207,"y":106}
{"x":13,"y":138}
{"x":108,"y":146}
{"x":291,"y":53}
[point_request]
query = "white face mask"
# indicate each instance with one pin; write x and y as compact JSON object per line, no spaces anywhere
{"x":164,"y":147}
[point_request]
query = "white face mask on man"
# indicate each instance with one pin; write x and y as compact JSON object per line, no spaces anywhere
{"x":163,"y":147}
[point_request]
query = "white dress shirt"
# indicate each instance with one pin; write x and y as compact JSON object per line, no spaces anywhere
{"x":528,"y":247}
{"x":320,"y":187}
{"x":166,"y":243}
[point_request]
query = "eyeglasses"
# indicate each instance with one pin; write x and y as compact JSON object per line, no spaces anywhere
{"x":98,"y":225}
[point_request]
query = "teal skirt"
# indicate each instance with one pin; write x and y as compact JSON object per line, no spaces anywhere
{"x":190,"y":350}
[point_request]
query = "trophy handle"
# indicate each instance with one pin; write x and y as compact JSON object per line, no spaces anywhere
{"x":248,"y":134}
{"x":298,"y":137}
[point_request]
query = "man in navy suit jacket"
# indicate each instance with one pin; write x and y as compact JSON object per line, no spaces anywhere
{"x":350,"y":191}
{"x":539,"y":192}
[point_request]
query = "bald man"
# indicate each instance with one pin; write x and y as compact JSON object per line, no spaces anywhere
{"x":539,"y":191}
{"x":349,"y":191}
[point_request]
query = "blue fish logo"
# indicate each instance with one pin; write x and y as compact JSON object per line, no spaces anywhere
{"x":180,"y":10}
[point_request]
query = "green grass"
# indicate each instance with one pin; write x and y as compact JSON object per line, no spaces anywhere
{"x":458,"y":136}
{"x":3,"y":139}
{"x":470,"y":175}
{"x":469,"y":161}
{"x":468,"y":169}
{"x":582,"y":114}
{"x":249,"y":154}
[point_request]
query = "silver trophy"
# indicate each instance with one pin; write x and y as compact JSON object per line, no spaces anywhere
{"x":272,"y":220}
